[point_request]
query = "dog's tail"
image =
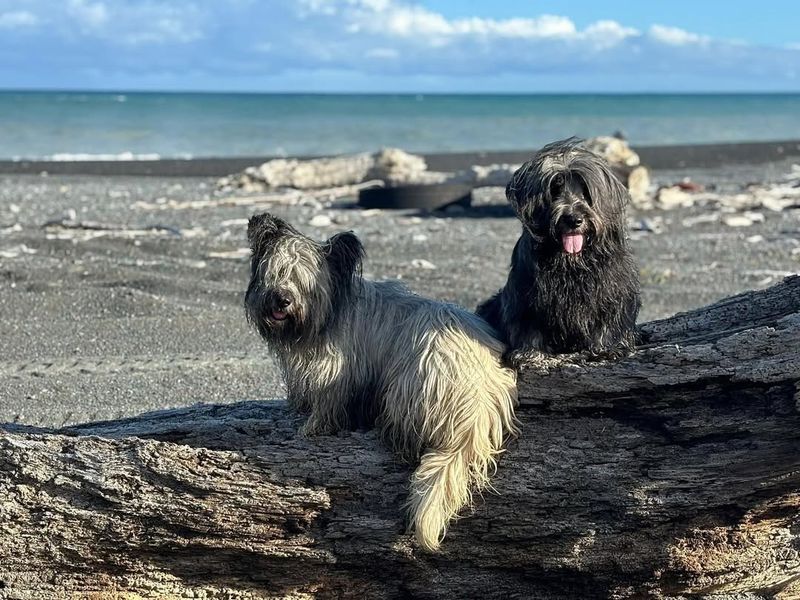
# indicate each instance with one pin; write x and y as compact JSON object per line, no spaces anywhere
{"x":465,"y":429}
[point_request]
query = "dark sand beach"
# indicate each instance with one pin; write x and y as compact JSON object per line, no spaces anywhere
{"x":99,"y":324}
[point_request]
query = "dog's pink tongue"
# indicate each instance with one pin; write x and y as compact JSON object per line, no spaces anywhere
{"x":279,"y":315}
{"x":572,"y":242}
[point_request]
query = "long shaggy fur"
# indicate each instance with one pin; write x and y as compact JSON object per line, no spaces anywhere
{"x":573,"y":284}
{"x":357,"y":353}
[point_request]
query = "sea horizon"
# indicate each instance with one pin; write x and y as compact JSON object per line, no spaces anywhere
{"x":72,"y":125}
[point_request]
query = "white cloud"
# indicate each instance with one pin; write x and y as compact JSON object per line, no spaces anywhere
{"x":147,"y":22}
{"x":18,"y":18}
{"x":402,"y":23}
{"x":119,"y":22}
{"x":162,"y":25}
{"x":90,"y":15}
{"x":350,"y":34}
{"x":607,"y":34}
{"x":546,"y":26}
{"x":675,"y":36}
{"x":402,"y":20}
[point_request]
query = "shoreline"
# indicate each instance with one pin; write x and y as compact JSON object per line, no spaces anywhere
{"x":657,"y":158}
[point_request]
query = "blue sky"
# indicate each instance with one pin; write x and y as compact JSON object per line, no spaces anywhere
{"x":400,"y":45}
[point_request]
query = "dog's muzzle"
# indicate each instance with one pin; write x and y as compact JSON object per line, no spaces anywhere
{"x":279,"y":302}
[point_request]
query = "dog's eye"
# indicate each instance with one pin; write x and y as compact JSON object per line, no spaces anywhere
{"x":585,"y":191}
{"x":557,"y":185}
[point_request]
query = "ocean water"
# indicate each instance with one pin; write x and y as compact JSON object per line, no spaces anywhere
{"x":124,"y":125}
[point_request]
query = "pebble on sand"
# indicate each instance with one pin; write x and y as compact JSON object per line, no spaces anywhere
{"x":320,"y":221}
{"x":745,"y":219}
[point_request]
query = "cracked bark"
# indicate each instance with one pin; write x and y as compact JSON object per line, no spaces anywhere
{"x":672,"y":473}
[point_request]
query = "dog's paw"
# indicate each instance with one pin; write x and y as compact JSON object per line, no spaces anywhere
{"x":524,"y":358}
{"x":617,"y":352}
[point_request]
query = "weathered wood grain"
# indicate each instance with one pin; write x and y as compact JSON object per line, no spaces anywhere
{"x":672,"y":473}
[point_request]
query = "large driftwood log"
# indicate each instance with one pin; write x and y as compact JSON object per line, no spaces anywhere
{"x":672,"y":473}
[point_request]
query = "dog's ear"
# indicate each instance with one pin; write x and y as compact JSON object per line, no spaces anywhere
{"x":344,"y":254}
{"x":263,"y":226}
{"x":515,"y":188}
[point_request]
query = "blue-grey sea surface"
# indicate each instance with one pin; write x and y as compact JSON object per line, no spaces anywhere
{"x":126,"y":125}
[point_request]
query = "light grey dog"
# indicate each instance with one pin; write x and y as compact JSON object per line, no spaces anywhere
{"x":358,"y":353}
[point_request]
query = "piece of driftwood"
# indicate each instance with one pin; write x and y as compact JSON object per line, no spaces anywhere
{"x":672,"y":473}
{"x":395,"y":167}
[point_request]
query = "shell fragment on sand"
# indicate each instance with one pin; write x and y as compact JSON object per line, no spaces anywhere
{"x":17,"y":251}
{"x":743,"y":220}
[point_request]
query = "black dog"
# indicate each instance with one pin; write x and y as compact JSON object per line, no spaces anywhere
{"x":573,"y":284}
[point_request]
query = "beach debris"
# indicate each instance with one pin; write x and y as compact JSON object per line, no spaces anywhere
{"x":614,"y":149}
{"x":672,"y":197}
{"x":648,"y":225}
{"x":776,"y":198}
{"x":284,"y":196}
{"x":302,"y":174}
{"x":733,"y":202}
{"x":234,"y":223}
{"x":754,"y":239}
{"x":237,"y":254}
{"x":494,"y":175}
{"x":745,"y":219}
{"x":638,"y":183}
{"x":12,"y":228}
{"x":391,"y":165}
{"x":702,"y":219}
{"x":687,"y":185}
{"x":626,"y":165}
{"x":395,"y":167}
{"x":16,"y":251}
{"x":320,"y":221}
{"x":69,"y":228}
{"x":421,"y":263}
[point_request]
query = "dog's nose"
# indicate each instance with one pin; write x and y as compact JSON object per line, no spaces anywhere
{"x":281,"y":299}
{"x":573,"y":221}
